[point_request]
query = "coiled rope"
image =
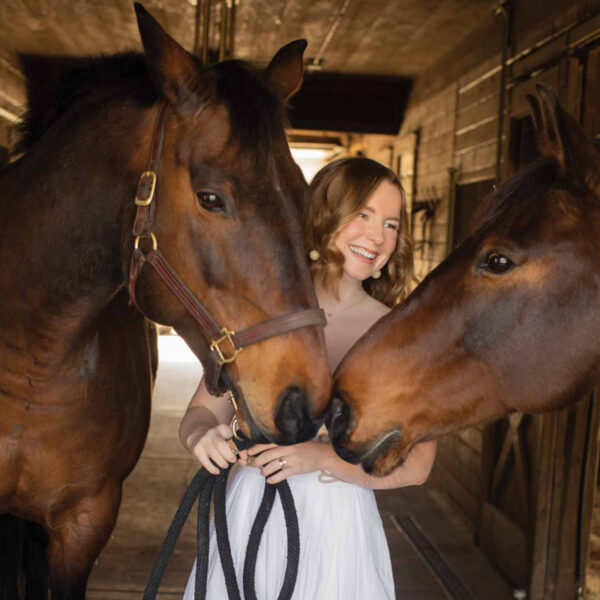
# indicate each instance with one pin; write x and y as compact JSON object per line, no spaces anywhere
{"x":205,"y":486}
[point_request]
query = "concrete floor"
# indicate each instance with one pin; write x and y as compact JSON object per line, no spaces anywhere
{"x":153,"y":491}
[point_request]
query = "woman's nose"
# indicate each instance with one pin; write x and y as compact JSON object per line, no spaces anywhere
{"x":375,"y":234}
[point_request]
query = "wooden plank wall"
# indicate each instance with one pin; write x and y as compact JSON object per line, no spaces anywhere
{"x":477,"y":122}
{"x":433,"y":122}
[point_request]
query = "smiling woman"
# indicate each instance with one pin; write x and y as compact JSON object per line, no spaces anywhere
{"x":362,"y":218}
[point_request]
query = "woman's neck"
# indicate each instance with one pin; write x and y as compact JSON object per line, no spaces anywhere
{"x":350,"y":292}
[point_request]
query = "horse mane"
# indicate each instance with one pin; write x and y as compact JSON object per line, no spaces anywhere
{"x":79,"y":87}
{"x":515,"y":201}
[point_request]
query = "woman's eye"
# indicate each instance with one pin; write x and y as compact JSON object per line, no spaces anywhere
{"x":210,"y":201}
{"x":392,"y":226}
{"x":362,"y":215}
{"x":498,"y":263}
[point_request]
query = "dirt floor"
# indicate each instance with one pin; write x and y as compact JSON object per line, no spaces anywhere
{"x":433,"y":554}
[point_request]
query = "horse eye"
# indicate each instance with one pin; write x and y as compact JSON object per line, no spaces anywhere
{"x":498,"y":263}
{"x":210,"y":201}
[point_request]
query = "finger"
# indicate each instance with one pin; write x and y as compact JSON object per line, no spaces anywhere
{"x":202,"y":456}
{"x":258,"y":448}
{"x":269,"y":455}
{"x":224,"y":449}
{"x":280,"y":476}
{"x":215,"y":455}
{"x":273,"y":467}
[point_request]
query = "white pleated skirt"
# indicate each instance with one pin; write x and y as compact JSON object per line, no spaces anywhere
{"x":343,"y":550}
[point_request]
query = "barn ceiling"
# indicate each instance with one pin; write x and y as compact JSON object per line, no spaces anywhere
{"x":398,"y":38}
{"x":391,"y":37}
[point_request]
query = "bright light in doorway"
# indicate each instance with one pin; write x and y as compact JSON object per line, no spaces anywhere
{"x":312,"y":157}
{"x":172,"y":348}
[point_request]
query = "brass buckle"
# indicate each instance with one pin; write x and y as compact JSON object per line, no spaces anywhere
{"x":227,"y":335}
{"x":138,"y":200}
{"x":136,"y":244}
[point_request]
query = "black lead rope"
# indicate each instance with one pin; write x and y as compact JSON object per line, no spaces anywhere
{"x":204,"y":486}
{"x":293,"y":540}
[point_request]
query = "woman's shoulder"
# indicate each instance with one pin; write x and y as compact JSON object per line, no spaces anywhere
{"x":367,"y":313}
{"x":376,"y":309}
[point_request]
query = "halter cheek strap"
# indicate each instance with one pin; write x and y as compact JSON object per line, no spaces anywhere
{"x":224,"y":344}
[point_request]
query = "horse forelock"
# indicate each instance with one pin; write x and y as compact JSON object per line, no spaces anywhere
{"x":256,"y":114}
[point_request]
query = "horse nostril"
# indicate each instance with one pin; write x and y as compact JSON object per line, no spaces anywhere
{"x":338,"y":418}
{"x":292,"y":416}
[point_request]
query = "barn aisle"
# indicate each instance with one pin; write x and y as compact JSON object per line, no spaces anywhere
{"x":445,"y":565}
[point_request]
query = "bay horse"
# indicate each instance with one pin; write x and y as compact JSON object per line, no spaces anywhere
{"x":223,"y":204}
{"x":509,"y":321}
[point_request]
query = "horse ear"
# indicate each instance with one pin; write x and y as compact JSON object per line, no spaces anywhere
{"x":559,"y":135}
{"x":284,"y":73}
{"x":173,"y":70}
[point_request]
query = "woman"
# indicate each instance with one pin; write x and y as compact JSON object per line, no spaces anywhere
{"x":361,"y":253}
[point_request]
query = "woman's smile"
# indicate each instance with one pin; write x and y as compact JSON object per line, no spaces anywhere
{"x":363,"y":254}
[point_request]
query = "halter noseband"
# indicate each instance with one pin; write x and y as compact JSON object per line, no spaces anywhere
{"x":224,"y":344}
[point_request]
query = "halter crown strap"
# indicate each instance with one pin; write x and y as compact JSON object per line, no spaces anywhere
{"x":224,"y":344}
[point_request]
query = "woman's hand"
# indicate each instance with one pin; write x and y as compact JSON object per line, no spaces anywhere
{"x":213,"y":448}
{"x":279,"y":462}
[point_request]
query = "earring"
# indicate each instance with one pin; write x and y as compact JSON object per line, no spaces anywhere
{"x":314,"y":255}
{"x":376,"y":275}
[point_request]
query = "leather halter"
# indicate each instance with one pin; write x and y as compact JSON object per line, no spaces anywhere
{"x":224,"y":344}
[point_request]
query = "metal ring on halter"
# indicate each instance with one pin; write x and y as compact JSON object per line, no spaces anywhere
{"x":136,"y":244}
{"x":236,"y":429}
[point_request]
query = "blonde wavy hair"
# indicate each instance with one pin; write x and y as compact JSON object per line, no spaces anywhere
{"x":339,"y":191}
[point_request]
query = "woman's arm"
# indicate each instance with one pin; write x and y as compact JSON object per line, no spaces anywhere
{"x":414,"y":471}
{"x":316,"y":456}
{"x":204,"y":429}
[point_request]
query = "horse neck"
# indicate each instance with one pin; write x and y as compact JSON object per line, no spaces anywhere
{"x":67,"y":207}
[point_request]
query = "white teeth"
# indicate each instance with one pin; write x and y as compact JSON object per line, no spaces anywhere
{"x":363,"y":252}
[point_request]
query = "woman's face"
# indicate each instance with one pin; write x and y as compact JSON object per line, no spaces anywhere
{"x":369,"y":239}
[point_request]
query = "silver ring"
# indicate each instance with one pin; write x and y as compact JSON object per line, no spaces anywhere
{"x":282,"y":462}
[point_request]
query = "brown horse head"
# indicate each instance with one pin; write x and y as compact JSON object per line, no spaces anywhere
{"x":508,"y":322}
{"x":228,"y":219}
